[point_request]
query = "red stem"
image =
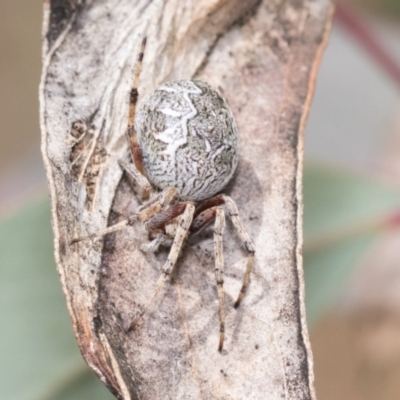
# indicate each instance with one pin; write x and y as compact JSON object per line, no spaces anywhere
{"x":368,"y":40}
{"x":393,"y":220}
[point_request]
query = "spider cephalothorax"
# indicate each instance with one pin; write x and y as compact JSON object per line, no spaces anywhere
{"x":184,"y":146}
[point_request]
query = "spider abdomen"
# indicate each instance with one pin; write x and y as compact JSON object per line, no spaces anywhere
{"x":188,"y":139}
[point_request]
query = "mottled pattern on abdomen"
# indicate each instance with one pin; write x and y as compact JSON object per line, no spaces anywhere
{"x":188,"y":138}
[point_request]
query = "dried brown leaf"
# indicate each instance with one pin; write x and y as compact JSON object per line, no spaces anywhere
{"x":263,"y":56}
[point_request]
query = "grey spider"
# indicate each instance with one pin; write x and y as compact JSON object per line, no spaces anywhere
{"x":184,"y":147}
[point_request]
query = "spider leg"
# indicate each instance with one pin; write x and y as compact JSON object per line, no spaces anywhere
{"x":153,"y":246}
{"x":202,"y":219}
{"x":180,"y":236}
{"x":141,"y":185}
{"x":185,"y":221}
{"x":219,"y":228}
{"x":161,"y":200}
{"x":135,"y":149}
{"x":158,"y":222}
{"x":248,"y":244}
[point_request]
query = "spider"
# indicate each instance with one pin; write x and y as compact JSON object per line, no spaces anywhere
{"x":184,"y":148}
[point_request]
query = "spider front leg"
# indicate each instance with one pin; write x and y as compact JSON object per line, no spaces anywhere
{"x":219,"y":228}
{"x":248,"y":244}
{"x":203,"y":216}
{"x":185,"y":211}
{"x":159,"y":223}
{"x":185,"y":221}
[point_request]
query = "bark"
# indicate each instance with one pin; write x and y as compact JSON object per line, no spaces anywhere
{"x":263,"y":56}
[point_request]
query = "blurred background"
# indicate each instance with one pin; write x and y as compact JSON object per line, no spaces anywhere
{"x":351,"y":226}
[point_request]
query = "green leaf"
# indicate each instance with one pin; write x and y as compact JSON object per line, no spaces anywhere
{"x":333,"y":201}
{"x":39,"y":355}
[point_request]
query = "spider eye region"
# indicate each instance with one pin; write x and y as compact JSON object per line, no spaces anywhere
{"x":188,"y":138}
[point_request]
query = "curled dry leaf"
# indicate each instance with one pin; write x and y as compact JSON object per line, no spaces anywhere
{"x":263,"y":56}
